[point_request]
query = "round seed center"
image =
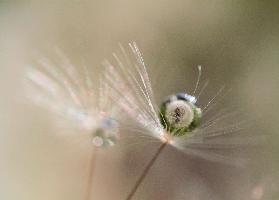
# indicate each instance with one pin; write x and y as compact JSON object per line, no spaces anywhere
{"x":179,"y":114}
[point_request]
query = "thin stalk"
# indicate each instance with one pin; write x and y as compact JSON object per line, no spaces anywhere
{"x":91,"y":170}
{"x":145,"y":171}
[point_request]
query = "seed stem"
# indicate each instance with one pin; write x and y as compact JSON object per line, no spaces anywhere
{"x":145,"y":171}
{"x":91,"y":170}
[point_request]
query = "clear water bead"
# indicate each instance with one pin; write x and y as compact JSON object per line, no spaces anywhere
{"x":179,"y":114}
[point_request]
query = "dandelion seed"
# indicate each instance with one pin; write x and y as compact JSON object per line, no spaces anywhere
{"x":71,"y":95}
{"x":177,"y":122}
{"x":179,"y":114}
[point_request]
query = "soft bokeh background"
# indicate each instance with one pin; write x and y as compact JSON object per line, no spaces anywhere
{"x":236,"y":42}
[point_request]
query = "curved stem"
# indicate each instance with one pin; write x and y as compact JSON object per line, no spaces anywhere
{"x":145,"y":172}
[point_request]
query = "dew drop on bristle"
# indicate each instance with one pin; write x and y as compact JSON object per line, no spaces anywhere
{"x":179,"y":114}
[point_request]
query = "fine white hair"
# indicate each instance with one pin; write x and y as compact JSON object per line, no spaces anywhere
{"x":179,"y":113}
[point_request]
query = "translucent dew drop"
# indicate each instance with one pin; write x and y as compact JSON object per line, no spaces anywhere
{"x":179,"y":114}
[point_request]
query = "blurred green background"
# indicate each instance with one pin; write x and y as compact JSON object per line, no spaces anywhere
{"x":236,"y":42}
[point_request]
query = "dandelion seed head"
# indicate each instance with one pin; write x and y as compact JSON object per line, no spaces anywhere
{"x":180,"y":114}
